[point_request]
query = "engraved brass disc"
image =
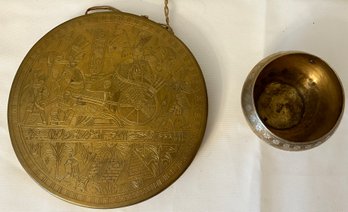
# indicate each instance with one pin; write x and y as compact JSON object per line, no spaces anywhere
{"x":107,"y":110}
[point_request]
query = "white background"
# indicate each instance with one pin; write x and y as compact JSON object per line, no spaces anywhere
{"x":233,"y":170}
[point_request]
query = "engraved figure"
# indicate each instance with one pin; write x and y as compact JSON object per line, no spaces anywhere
{"x":71,"y":167}
{"x":36,"y":99}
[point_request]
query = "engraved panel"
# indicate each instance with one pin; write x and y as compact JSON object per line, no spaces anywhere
{"x":107,"y":110}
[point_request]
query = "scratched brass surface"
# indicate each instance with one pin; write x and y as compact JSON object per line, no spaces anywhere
{"x":107,"y":109}
{"x":293,"y":100}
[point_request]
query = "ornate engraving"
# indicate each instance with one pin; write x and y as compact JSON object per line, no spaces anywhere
{"x":107,"y":109}
{"x":255,"y":120}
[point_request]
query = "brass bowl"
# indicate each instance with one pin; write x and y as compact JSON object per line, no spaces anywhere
{"x":293,"y":100}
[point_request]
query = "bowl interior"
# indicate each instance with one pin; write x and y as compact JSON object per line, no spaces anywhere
{"x":298,"y":97}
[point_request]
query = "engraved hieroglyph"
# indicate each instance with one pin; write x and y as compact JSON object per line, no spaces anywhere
{"x":107,"y":110}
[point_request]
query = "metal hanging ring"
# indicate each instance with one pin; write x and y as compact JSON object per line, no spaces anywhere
{"x":101,"y":8}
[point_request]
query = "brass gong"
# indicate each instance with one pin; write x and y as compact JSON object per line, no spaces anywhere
{"x":107,"y":109}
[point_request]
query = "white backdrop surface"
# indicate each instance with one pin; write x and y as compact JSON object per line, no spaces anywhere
{"x":233,"y":170}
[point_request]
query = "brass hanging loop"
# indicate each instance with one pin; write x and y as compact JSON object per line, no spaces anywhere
{"x":96,"y":8}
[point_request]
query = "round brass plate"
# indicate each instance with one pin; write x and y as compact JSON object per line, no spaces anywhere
{"x":107,"y":110}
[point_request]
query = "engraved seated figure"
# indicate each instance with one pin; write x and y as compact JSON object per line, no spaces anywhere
{"x":35,"y":98}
